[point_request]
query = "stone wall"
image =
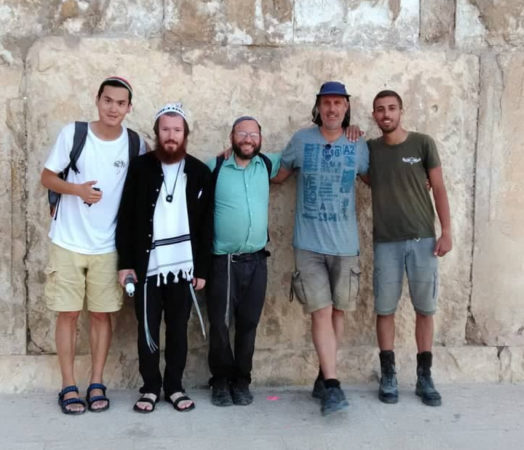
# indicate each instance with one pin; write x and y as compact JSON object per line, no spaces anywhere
{"x":458,"y":66}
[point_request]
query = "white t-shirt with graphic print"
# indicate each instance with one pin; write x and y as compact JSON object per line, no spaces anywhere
{"x":79,"y":227}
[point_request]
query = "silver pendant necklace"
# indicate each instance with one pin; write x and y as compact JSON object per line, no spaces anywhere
{"x":169,"y":196}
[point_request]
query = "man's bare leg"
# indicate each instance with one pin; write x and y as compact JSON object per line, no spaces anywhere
{"x":424,"y":333}
{"x":325,"y":340}
{"x":100,"y":339}
{"x":386,"y":332}
{"x":65,"y":338}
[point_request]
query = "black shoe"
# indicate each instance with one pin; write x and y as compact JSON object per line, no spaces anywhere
{"x":220,"y":394}
{"x":241,"y":394}
{"x":318,"y":389}
{"x":333,"y":400}
{"x":425,"y":388}
{"x":388,"y":388}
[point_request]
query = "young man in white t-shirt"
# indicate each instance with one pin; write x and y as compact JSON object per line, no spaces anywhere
{"x":83,"y":260}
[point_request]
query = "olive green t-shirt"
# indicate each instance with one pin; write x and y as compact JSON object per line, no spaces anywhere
{"x":402,"y":207}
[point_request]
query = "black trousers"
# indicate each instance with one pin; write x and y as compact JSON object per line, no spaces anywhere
{"x":246,"y":277}
{"x":174,"y":300}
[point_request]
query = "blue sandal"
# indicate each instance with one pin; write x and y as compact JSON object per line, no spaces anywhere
{"x":97,"y":398}
{"x":64,"y":403}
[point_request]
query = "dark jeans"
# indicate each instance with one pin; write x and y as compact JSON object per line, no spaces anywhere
{"x":174,"y":299}
{"x":247,"y":290}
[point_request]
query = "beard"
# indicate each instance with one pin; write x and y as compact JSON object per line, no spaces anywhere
{"x":388,"y":129}
{"x":169,"y":156}
{"x":241,"y":155}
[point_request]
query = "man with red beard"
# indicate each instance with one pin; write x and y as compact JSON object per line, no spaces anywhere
{"x":163,"y":239}
{"x":237,"y":282}
{"x":404,"y":238}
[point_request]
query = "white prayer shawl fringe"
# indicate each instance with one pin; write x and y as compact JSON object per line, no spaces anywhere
{"x":171,"y":250}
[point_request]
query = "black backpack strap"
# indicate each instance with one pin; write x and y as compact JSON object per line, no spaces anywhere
{"x":134,"y":143}
{"x":220,"y":161}
{"x":269,"y":167}
{"x":79,"y":141}
{"x":268,"y":163}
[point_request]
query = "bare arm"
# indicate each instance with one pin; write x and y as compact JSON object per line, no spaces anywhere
{"x":85,"y":191}
{"x":444,"y":243}
{"x":282,"y":175}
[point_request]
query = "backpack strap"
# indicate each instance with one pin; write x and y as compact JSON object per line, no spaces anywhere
{"x":79,"y":141}
{"x":268,"y":163}
{"x":134,"y":143}
{"x":220,"y":161}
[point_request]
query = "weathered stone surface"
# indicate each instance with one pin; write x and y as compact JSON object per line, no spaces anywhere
{"x":512,"y":364}
{"x":481,"y":23}
{"x":440,"y":96}
{"x":437,"y":21}
{"x":12,"y":202}
{"x":32,"y":18}
{"x":226,"y":58}
{"x":229,"y":22}
{"x":496,"y":306}
{"x":355,"y":23}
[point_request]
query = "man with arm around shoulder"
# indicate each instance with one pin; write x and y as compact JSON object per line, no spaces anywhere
{"x":326,"y":279}
{"x":404,"y":238}
{"x":238,"y":277}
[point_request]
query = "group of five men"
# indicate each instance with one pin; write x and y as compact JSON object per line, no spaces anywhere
{"x":171,"y":225}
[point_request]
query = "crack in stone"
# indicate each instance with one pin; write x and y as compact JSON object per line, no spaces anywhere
{"x":471,"y":324}
{"x":500,"y":349}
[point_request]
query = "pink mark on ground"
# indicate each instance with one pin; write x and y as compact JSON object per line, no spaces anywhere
{"x":272,"y":398}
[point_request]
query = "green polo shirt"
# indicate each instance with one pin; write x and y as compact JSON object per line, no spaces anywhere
{"x":241,"y":205}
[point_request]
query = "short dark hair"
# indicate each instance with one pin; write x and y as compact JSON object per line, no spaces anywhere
{"x":387,"y":93}
{"x":171,"y":114}
{"x":318,"y":121}
{"x":115,"y":82}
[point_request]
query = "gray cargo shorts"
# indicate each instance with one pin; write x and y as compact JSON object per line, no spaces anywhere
{"x":322,"y":280}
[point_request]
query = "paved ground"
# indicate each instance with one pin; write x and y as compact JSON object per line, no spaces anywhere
{"x":477,"y":416}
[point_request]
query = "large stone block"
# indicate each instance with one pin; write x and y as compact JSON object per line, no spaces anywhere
{"x":278,"y":86}
{"x":32,"y":18}
{"x":437,"y":21}
{"x":12,"y":205}
{"x":294,"y":366}
{"x":229,"y":22}
{"x":482,"y":23}
{"x":497,"y":308}
{"x":356,"y":23}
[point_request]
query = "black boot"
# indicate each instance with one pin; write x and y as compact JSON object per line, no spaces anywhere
{"x":388,"y":389}
{"x":425,"y":388}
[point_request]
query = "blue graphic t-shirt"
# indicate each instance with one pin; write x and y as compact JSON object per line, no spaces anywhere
{"x":325,"y":217}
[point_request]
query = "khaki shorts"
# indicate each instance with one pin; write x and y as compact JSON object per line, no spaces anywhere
{"x":323,"y":280}
{"x":71,"y":277}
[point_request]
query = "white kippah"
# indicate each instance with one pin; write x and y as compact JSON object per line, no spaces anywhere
{"x":171,"y":108}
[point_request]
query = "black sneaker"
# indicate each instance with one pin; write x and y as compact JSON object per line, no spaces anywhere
{"x":318,"y":389}
{"x":333,"y":400}
{"x":220,"y":394}
{"x":240,"y":394}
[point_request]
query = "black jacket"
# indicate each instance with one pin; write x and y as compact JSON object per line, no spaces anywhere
{"x":134,"y":230}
